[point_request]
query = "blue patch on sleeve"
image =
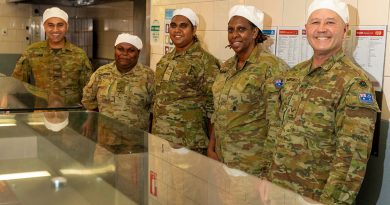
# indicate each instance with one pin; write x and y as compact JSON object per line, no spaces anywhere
{"x":278,"y":83}
{"x":366,"y":98}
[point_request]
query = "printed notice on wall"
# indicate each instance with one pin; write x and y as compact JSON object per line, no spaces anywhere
{"x":288,"y":45}
{"x":306,"y":49}
{"x":155,"y":31}
{"x":369,"y":52}
{"x":168,"y":44}
{"x":270,"y":43}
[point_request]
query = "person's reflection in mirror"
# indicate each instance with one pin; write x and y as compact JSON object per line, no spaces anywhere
{"x":121,"y":146}
{"x":55,"y":120}
{"x":88,"y":128}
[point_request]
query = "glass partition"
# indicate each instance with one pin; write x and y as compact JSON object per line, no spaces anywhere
{"x":17,"y":96}
{"x":92,"y":159}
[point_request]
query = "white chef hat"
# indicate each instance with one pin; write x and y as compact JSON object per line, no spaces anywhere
{"x":251,"y":13}
{"x":338,"y":6}
{"x":55,"y":12}
{"x":188,"y":13}
{"x":55,"y":126}
{"x":128,"y":38}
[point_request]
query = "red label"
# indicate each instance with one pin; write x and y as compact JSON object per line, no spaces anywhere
{"x":288,"y":32}
{"x":152,"y":183}
{"x":370,"y":32}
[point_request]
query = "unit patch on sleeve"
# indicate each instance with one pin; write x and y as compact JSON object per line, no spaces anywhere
{"x":366,"y":98}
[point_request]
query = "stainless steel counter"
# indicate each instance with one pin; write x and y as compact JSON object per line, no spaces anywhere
{"x":101,"y":161}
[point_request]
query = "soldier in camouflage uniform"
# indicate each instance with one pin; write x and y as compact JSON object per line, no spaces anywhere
{"x":123,"y":89}
{"x":328,"y":112}
{"x":184,"y":78}
{"x":55,"y":65}
{"x":239,"y":118}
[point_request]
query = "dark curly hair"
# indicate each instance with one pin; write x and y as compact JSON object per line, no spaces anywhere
{"x":260,"y":36}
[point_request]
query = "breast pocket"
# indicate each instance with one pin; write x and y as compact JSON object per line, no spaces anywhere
{"x":289,"y":88}
{"x":317,"y":112}
{"x":105,"y":91}
{"x":247,"y":89}
{"x":183,"y":75}
{"x":137,"y":95}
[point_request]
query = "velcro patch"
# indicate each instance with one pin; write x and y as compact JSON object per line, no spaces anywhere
{"x":366,"y":98}
{"x":278,"y":83}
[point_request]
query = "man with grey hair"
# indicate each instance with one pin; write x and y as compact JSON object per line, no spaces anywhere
{"x":55,"y":65}
{"x":327,"y":115}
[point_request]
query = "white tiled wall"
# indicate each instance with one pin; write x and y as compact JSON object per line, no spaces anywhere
{"x":13,"y":21}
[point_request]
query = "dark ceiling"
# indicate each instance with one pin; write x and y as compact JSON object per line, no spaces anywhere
{"x":66,"y":2}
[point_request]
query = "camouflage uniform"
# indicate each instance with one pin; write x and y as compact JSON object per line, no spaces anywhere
{"x":126,"y":97}
{"x":239,"y":119}
{"x":64,"y":72}
{"x":328,"y":117}
{"x":183,"y":96}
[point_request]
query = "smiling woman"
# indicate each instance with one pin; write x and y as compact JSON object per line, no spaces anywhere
{"x":239,"y":99}
{"x":183,"y":102}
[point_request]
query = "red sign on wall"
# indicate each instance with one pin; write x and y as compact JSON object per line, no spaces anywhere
{"x":288,"y":32}
{"x":153,"y":183}
{"x":370,"y":32}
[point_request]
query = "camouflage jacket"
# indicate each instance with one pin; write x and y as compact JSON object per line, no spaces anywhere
{"x":126,"y":97}
{"x":239,"y":119}
{"x":327,"y":118}
{"x":64,"y":72}
{"x":183,"y":96}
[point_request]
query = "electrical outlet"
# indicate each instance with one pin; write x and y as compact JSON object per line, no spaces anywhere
{"x":4,"y":31}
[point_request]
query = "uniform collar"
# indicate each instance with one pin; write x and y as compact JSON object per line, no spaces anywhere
{"x":67,"y":45}
{"x":328,"y":63}
{"x":131,"y":70}
{"x":194,"y":47}
{"x":252,"y":59}
{"x":230,"y":65}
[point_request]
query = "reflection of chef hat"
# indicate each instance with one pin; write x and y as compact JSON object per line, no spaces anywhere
{"x":338,"y":6}
{"x":55,"y":126}
{"x":181,"y":151}
{"x":55,"y":12}
{"x":251,"y":13}
{"x":128,"y":38}
{"x":234,"y":172}
{"x":189,"y":13}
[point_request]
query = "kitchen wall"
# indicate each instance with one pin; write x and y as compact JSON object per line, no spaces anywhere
{"x":13,"y":33}
{"x":212,"y":32}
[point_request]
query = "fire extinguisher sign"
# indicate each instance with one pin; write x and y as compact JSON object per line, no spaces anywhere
{"x":153,"y":183}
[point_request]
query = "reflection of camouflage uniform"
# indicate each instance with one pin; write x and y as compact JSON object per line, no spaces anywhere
{"x":239,"y":118}
{"x":126,"y":97}
{"x":183,"y":96}
{"x":328,"y":116}
{"x":65,"y":71}
{"x":118,"y":137}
